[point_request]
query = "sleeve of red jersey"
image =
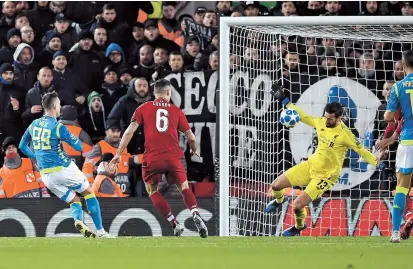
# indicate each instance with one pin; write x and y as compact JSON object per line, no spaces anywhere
{"x":399,"y":127}
{"x":137,"y":116}
{"x":183,"y":124}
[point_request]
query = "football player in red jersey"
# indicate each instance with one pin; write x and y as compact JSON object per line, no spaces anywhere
{"x":161,"y":122}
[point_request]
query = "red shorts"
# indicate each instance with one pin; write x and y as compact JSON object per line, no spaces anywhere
{"x":174,"y":171}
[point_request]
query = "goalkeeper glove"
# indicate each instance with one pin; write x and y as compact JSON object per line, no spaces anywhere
{"x":278,"y":93}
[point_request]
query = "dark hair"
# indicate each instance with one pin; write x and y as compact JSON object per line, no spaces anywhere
{"x":334,"y":108}
{"x":48,"y":100}
{"x":161,"y":85}
{"x":108,"y":6}
{"x":19,"y":15}
{"x":408,"y":58}
{"x":176,"y":53}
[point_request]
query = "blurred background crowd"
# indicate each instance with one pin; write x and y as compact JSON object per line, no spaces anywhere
{"x":102,"y":57}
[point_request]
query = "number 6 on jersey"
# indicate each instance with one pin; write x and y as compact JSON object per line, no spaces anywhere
{"x":162,"y":120}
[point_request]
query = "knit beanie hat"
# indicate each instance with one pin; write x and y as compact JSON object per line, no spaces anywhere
{"x":6,"y":67}
{"x":13,"y":32}
{"x":89,"y":104}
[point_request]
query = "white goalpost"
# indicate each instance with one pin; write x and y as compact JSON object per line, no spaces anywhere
{"x":351,"y":60}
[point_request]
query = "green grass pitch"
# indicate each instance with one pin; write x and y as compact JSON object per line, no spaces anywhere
{"x":210,"y":253}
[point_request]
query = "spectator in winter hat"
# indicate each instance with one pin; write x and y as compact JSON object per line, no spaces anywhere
{"x":86,"y":63}
{"x":406,"y":9}
{"x":210,"y":19}
{"x":199,"y":15}
{"x":25,"y":70}
{"x":252,"y":8}
{"x":71,"y":89}
{"x":94,"y":121}
{"x":68,"y":34}
{"x":21,"y":20}
{"x":192,"y":48}
{"x":7,"y":51}
{"x":111,"y":90}
{"x":126,"y":75}
{"x":154,"y":39}
{"x":115,"y":56}
{"x":12,"y":103}
{"x":53,"y":43}
{"x":20,"y":178}
{"x":138,"y":30}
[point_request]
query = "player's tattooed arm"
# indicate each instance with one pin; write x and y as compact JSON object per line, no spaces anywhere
{"x":192,"y":141}
{"x":127,"y":136}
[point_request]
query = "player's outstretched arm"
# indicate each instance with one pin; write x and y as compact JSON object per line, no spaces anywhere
{"x":126,"y":138}
{"x":25,"y":142}
{"x":192,"y":142}
{"x":64,"y":134}
{"x":351,"y":142}
{"x":278,"y":93}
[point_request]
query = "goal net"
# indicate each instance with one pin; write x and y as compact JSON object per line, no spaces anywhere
{"x":329,"y":62}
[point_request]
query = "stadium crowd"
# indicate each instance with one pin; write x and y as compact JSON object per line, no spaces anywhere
{"x":101,"y":58}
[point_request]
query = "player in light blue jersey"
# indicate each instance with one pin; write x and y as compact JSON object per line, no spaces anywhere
{"x":60,"y":175}
{"x":401,"y":96}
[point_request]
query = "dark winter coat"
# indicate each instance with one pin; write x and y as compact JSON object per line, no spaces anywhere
{"x":69,"y":86}
{"x":123,"y":111}
{"x":33,"y":98}
{"x":10,"y":120}
{"x":88,"y":66}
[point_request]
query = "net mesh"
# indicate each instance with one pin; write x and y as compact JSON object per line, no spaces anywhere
{"x":353,"y":65}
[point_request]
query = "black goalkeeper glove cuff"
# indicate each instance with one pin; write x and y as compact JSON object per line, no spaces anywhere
{"x":278,"y":93}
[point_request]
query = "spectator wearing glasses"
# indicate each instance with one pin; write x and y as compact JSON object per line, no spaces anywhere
{"x":27,"y":35}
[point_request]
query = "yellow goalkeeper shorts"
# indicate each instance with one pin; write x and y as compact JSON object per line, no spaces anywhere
{"x":302,"y":175}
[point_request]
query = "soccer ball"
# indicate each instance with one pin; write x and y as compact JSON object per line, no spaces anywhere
{"x":289,"y":117}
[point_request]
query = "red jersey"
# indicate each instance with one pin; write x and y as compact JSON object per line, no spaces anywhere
{"x":161,"y":122}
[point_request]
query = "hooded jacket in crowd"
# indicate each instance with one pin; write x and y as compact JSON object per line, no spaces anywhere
{"x":25,"y":75}
{"x":94,"y":122}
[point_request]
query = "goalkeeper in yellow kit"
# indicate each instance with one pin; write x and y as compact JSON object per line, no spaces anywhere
{"x":322,"y":169}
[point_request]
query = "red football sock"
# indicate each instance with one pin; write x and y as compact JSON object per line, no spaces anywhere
{"x":163,"y":207}
{"x":409,"y":205}
{"x":190,"y":201}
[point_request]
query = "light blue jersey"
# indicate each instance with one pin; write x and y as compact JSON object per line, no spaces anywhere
{"x":46,"y":135}
{"x":401,"y":95}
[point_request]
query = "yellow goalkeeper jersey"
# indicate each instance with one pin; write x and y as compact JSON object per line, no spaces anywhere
{"x":333,"y":144}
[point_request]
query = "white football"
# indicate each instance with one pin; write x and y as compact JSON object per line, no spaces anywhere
{"x":289,"y":117}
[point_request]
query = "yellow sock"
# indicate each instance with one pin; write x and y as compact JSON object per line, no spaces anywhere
{"x":300,"y":218}
{"x":278,"y":195}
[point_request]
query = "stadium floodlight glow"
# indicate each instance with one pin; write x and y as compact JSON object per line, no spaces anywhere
{"x":254,"y":149}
